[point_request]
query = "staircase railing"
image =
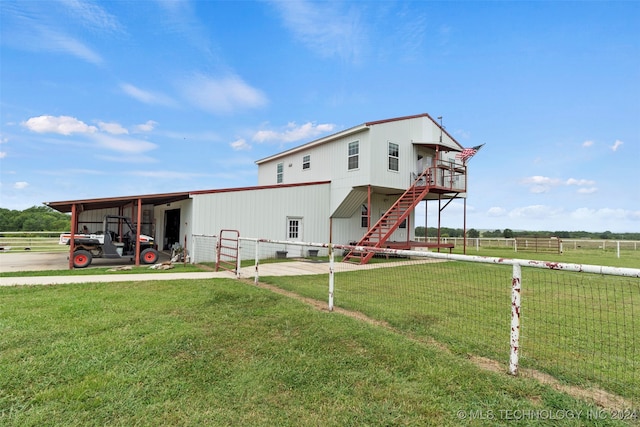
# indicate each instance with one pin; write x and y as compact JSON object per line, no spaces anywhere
{"x":382,"y":230}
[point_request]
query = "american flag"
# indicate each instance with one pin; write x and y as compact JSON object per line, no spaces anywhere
{"x":467,"y":153}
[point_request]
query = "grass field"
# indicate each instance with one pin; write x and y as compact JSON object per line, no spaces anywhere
{"x":223,"y":352}
{"x":580,"y":328}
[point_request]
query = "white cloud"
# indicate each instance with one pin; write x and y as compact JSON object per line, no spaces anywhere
{"x":124,"y":144}
{"x":147,"y":97}
{"x":589,"y":190}
{"x":293,"y":132}
{"x":540,"y":184}
{"x":326,"y":28}
{"x":605,"y":214}
{"x":496,"y":211}
{"x":462,"y":134}
{"x":587,"y":144}
{"x":543,"y":184}
{"x":579,"y":182}
{"x":3,"y":154}
{"x":240,"y":145}
{"x":92,"y":16}
{"x":146,"y":127}
{"x":112,"y":128}
{"x":20,"y":185}
{"x":541,"y":180}
{"x":538,"y":189}
{"x":63,"y":125}
{"x":167,"y":174}
{"x":222,"y":95}
{"x":132,"y":159}
{"x":535,"y":211}
{"x":55,"y":41}
{"x":37,"y":29}
{"x":616,"y":145}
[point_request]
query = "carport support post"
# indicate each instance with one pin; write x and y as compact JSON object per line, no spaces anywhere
{"x":138,"y":227}
{"x":72,"y":241}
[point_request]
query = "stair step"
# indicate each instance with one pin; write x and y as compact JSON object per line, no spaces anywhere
{"x":390,"y":220}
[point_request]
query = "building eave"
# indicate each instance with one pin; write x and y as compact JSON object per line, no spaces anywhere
{"x":353,"y":130}
{"x":320,"y":141}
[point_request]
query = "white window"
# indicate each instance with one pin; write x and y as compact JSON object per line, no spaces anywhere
{"x":354,"y":151}
{"x":280,"y":173}
{"x":364,"y":217}
{"x":394,"y":150}
{"x":294,"y":228}
{"x":306,"y":162}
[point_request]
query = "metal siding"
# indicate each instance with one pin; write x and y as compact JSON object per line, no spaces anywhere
{"x":342,"y":179}
{"x":401,"y":133}
{"x":293,"y":172}
{"x":330,"y":158}
{"x":262,"y":213}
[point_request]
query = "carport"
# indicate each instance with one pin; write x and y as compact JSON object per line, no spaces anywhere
{"x":75,"y":207}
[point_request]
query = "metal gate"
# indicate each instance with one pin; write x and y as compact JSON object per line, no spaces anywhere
{"x":227,"y":250}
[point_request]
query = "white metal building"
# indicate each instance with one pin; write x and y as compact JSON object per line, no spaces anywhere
{"x":332,"y":189}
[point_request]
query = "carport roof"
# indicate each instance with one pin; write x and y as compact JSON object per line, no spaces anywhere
{"x":111,"y":202}
{"x":158,"y":199}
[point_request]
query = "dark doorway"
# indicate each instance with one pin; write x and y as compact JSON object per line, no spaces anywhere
{"x":171,"y":228}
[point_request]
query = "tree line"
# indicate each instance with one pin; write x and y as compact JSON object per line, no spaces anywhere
{"x":510,"y":234}
{"x":35,"y":218}
{"x":43,"y":218}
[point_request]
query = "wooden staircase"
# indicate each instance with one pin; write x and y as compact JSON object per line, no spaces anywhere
{"x":391,"y":220}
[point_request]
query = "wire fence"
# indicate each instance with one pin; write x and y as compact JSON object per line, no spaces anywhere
{"x":37,"y":241}
{"x":576,"y":323}
{"x":545,"y":245}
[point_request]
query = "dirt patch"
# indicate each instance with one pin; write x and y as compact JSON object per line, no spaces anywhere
{"x":600,"y":398}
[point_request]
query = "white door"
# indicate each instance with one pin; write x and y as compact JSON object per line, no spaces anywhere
{"x":294,"y":232}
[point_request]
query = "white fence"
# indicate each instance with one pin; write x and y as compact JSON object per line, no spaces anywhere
{"x":576,"y":322}
{"x":37,"y":241}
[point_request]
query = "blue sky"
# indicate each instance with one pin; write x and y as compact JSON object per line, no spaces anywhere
{"x":104,"y":99}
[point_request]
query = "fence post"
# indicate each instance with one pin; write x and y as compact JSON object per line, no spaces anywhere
{"x":515,"y":318}
{"x":331,"y":277}
{"x":618,"y":242}
{"x":239,"y":260}
{"x":256,"y":276}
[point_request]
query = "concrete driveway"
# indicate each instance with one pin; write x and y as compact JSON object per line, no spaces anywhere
{"x":39,"y":261}
{"x":11,"y":262}
{"x":33,"y":261}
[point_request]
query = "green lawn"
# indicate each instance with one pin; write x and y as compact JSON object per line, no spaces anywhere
{"x":580,"y":328}
{"x":222,"y":352}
